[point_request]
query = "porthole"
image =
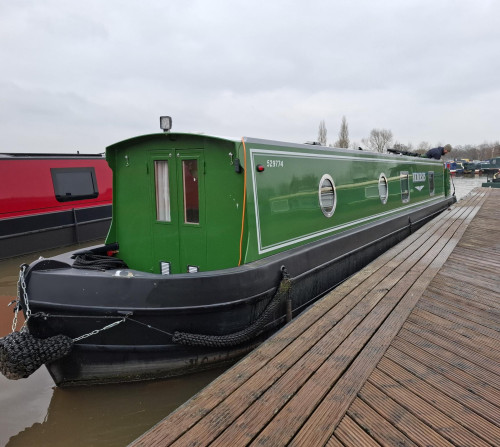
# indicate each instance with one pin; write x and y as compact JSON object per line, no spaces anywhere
{"x":383,"y":188}
{"x":327,"y":196}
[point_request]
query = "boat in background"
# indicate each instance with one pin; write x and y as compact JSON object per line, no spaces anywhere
{"x":455,"y":167}
{"x":491,"y":166}
{"x":472,"y":168}
{"x":221,"y":242}
{"x":52,"y":200}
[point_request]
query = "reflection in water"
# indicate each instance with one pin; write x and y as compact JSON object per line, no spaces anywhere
{"x":34,"y":412}
{"x":109,"y":415}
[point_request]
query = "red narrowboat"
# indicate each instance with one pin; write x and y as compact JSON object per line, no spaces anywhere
{"x":52,"y":200}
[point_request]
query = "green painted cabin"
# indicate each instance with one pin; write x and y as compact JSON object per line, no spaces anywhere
{"x":188,"y":202}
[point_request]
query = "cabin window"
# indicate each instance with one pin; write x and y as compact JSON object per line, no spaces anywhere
{"x":327,"y":196}
{"x":405,"y":187}
{"x":191,"y":198}
{"x":162,"y":191}
{"x":432,"y":187}
{"x":74,"y":183}
{"x":383,"y":188}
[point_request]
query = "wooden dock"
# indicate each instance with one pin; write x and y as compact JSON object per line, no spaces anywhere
{"x":404,"y":353}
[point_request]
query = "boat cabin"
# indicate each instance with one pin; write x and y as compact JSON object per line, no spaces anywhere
{"x":186,"y":203}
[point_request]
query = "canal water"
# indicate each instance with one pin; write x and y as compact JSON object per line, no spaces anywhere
{"x":36,"y":413}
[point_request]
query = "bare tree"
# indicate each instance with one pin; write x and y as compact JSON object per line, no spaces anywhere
{"x":379,"y":140}
{"x":423,"y":147}
{"x":403,"y":147}
{"x":322,"y":133}
{"x":343,"y":140}
{"x":482,"y":151}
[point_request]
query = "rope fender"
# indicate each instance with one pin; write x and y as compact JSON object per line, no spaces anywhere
{"x":250,"y":332}
{"x":21,"y":354}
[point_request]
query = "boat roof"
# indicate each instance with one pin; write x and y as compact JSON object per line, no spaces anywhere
{"x":152,"y":136}
{"x":308,"y":146}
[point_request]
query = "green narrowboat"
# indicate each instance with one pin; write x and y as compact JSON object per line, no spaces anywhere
{"x":491,"y":166}
{"x":214,"y":244}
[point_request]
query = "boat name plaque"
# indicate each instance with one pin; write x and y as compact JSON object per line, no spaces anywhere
{"x":419,"y":177}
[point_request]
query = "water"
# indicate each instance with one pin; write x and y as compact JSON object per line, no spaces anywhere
{"x":35,"y":412}
{"x":465,"y":184}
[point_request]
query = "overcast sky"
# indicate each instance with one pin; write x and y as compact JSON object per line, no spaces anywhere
{"x":81,"y":75}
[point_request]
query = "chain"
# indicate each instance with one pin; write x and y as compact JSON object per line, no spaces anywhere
{"x":21,"y":286}
{"x":16,"y":310}
{"x":96,"y":331}
{"x":23,"y":294}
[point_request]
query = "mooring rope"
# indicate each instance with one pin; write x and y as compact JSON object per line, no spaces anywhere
{"x":247,"y":334}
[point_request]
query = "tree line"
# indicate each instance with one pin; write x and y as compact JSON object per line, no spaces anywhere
{"x":380,"y":140}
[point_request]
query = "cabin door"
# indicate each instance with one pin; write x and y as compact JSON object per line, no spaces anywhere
{"x":191,"y":210}
{"x":179,"y":229}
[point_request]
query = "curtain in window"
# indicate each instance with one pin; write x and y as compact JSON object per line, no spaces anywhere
{"x":162,"y":191}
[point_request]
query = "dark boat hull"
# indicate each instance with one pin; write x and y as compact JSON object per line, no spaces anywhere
{"x":52,"y":200}
{"x":76,"y":302}
{"x":34,"y":233}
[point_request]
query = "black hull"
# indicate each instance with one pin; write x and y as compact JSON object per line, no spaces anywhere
{"x":490,"y":171}
{"x":76,"y":302}
{"x":34,"y":233}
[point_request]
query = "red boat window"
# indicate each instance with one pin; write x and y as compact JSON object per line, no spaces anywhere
{"x":162,"y":191}
{"x":191,"y":199}
{"x":74,"y":183}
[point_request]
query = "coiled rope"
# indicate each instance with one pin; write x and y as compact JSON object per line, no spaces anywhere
{"x":91,"y":261}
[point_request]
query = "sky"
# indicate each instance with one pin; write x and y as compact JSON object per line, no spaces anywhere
{"x":81,"y":75}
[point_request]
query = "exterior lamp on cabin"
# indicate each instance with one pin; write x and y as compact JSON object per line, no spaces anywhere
{"x":165,"y":123}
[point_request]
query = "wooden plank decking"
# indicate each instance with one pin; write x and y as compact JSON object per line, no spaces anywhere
{"x":404,"y":353}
